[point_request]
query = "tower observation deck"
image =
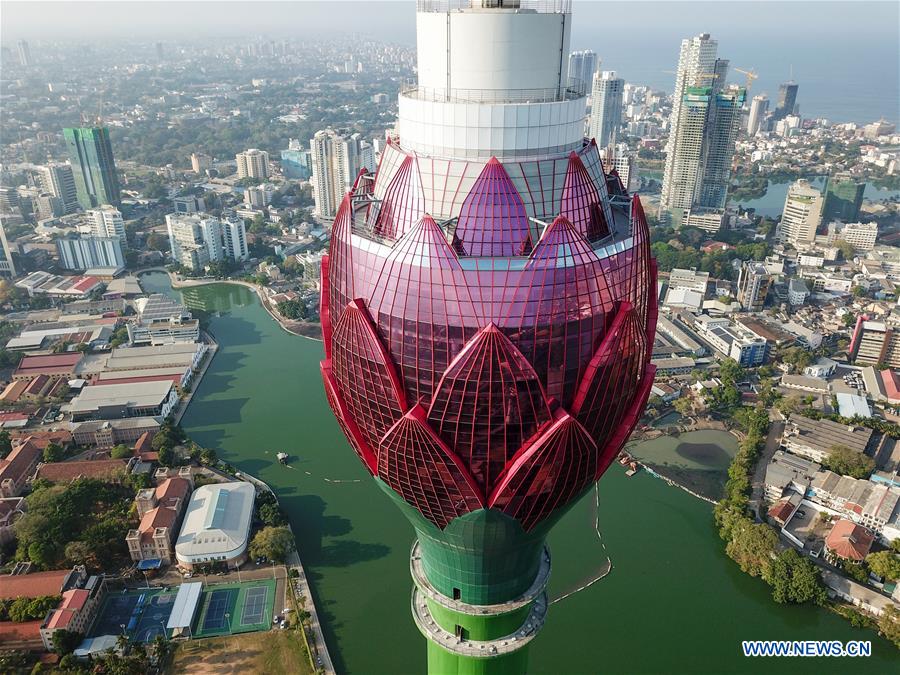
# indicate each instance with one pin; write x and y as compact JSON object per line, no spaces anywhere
{"x":488,"y":313}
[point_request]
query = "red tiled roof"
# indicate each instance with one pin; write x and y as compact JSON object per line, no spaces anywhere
{"x":44,"y":438}
{"x":86,"y":283}
{"x":73,"y":602}
{"x":59,"y":472}
{"x":32,"y":585}
{"x":14,"y":390}
{"x":37,"y":385}
{"x":19,"y":461}
{"x":781,"y":510}
{"x":51,"y":363}
{"x":172,"y":489}
{"x":158,"y":517}
{"x":891,"y":384}
{"x":144,"y":443}
{"x":848,"y":540}
{"x":13,"y":417}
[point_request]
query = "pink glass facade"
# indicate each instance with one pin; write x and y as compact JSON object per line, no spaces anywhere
{"x":498,"y":358}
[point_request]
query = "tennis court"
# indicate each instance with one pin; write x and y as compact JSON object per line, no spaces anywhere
{"x":254,"y":606}
{"x":249,"y":607}
{"x":220,"y":603}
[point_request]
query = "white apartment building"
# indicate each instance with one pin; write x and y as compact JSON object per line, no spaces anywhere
{"x":335,"y":163}
{"x":606,"y":107}
{"x":861,"y":236}
{"x":106,"y":221}
{"x":195,"y":239}
{"x":58,"y":180}
{"x":234,"y":237}
{"x":801,"y":216}
{"x":252,"y":163}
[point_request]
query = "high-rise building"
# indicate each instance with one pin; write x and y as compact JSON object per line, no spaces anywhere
{"x":335,"y":164}
{"x":488,"y":313}
{"x":702,"y":131}
{"x":606,"y":107}
{"x":801,"y":216}
{"x":252,"y":163}
{"x":582,"y":66}
{"x":197,"y":239}
{"x":753,"y":285}
{"x":843,"y":198}
{"x":787,"y":100}
{"x":58,"y":180}
{"x":93,"y":166}
{"x":234,"y":237}
{"x":7,"y":265}
{"x":296,"y":161}
{"x":24,"y":53}
{"x":160,"y":53}
{"x":875,"y":342}
{"x":106,"y":221}
{"x":85,"y":253}
{"x":759,"y":106}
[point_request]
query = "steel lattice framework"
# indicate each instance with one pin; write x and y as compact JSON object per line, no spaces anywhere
{"x":492,"y":360}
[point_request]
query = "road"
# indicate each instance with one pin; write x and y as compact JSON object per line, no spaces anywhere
{"x":319,"y":647}
{"x":773,"y":442}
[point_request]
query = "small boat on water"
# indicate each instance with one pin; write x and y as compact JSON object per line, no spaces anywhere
{"x":633,"y":468}
{"x":282,"y":457}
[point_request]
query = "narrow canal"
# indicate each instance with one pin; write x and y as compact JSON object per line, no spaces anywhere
{"x":673,"y":602}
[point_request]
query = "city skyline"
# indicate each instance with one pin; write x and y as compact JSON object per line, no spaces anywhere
{"x":766,"y":41}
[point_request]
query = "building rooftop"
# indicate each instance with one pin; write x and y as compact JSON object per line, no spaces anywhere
{"x":823,"y":435}
{"x":849,"y":540}
{"x":50,"y":364}
{"x":32,"y":585}
{"x":64,"y":472}
{"x":805,"y":382}
{"x":126,"y":423}
{"x":851,"y":405}
{"x":785,"y":468}
{"x":216,"y":521}
{"x":134,"y":395}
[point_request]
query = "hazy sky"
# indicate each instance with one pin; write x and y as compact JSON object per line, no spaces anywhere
{"x":845,"y":54}
{"x":36,"y":19}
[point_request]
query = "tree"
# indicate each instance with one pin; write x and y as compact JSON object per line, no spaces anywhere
{"x":53,"y":453}
{"x":752,"y":547}
{"x":271,"y":515}
{"x":683,"y":405}
{"x":64,"y":641}
{"x":788,"y":405}
{"x":846,"y":462}
{"x":121,"y":451}
{"x":166,"y":456}
{"x":208,"y":456}
{"x":845,"y":248}
{"x":157,"y":242}
{"x":889,"y":624}
{"x":885,"y":564}
{"x":5,"y":443}
{"x":77,"y":552}
{"x":794,"y":579}
{"x":275,"y":543}
{"x":730,"y":371}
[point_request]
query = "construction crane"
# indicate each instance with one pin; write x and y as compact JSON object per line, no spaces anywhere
{"x":751,"y":75}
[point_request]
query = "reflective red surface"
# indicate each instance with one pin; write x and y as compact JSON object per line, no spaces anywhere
{"x":493,"y":360}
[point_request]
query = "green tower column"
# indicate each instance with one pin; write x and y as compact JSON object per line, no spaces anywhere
{"x":479,"y":590}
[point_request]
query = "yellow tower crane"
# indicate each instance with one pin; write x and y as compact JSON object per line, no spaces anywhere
{"x":751,"y":75}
